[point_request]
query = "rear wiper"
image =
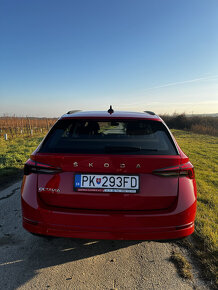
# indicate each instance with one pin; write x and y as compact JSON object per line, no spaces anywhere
{"x":126,"y":149}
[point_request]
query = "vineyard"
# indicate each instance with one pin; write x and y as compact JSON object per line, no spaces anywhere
{"x":11,"y":127}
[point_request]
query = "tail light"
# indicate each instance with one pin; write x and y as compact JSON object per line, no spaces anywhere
{"x":37,"y":167}
{"x":186,"y":170}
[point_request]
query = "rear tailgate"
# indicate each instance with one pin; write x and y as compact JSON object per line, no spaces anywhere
{"x":155,"y":192}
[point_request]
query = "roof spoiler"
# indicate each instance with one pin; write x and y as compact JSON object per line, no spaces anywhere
{"x":150,"y":113}
{"x":73,"y":111}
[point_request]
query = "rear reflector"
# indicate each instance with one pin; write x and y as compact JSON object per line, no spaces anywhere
{"x":37,"y":167}
{"x":30,"y":221}
{"x":186,"y":170}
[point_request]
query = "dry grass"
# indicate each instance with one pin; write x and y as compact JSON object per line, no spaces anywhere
{"x":182,"y":265}
{"x":203,"y":129}
{"x":207,"y":260}
{"x":198,"y":124}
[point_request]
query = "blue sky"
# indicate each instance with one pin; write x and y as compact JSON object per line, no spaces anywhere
{"x":87,"y":54}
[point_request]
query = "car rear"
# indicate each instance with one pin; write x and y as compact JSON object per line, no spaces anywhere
{"x":112,"y":176}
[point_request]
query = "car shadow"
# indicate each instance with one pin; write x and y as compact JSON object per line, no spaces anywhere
{"x":9,"y":175}
{"x":28,"y":256}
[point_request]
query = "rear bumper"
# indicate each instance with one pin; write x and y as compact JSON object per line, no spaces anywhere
{"x":120,"y":233}
{"x":109,"y":225}
{"x":173,"y":223}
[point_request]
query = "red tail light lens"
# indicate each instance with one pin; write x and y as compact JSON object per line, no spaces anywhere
{"x":37,"y":167}
{"x":186,"y":170}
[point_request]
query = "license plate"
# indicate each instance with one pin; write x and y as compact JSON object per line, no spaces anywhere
{"x":106,"y":183}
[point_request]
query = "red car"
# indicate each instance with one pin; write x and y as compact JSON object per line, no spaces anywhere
{"x":109,"y":175}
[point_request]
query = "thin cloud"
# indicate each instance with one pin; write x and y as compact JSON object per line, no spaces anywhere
{"x":184,"y":82}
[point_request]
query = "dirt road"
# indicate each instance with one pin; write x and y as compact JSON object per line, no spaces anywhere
{"x":30,"y":262}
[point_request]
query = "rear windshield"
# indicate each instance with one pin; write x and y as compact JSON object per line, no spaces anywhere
{"x":137,"y":137}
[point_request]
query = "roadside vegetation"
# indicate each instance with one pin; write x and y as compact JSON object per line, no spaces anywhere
{"x":203,"y":153}
{"x":19,"y":136}
{"x":13,"y":154}
{"x":196,"y":123}
{"x":182,"y":265}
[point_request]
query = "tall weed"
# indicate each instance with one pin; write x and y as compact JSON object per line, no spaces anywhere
{"x":198,"y":124}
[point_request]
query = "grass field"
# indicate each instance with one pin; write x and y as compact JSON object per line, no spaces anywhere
{"x":13,"y":154}
{"x":203,"y":153}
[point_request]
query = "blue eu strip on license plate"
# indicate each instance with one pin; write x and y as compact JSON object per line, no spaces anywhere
{"x":106,"y":183}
